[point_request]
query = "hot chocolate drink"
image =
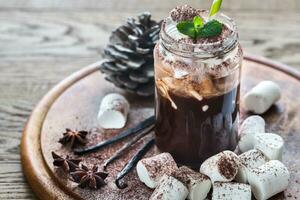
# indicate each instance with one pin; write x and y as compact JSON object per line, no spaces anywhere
{"x":198,"y":129}
{"x":197,"y":89}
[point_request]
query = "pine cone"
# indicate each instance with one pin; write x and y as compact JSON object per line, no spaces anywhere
{"x":130,"y":54}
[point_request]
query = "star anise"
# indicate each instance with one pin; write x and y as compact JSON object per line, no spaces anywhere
{"x":91,"y":178}
{"x":73,"y":137}
{"x":67,"y":164}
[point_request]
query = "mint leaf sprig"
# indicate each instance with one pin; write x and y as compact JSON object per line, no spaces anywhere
{"x":215,"y":7}
{"x":197,"y":28}
{"x":194,"y":29}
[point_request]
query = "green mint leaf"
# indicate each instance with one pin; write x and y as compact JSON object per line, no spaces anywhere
{"x":215,"y":7}
{"x":210,"y":29}
{"x":187,"y":28}
{"x":198,"y":22}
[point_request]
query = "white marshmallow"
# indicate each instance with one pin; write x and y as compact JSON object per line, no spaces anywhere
{"x":231,"y":191}
{"x":221,"y":167}
{"x":151,"y":170}
{"x":262,"y":97}
{"x":169,"y":188}
{"x":268,"y":179}
{"x":198,"y":184}
{"x":113,"y":111}
{"x":252,"y":125}
{"x":248,"y":161}
{"x":270,"y":144}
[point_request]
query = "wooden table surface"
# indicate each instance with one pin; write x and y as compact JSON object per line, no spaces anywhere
{"x":41,"y":42}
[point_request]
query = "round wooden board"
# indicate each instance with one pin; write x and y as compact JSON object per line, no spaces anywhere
{"x":74,"y":103}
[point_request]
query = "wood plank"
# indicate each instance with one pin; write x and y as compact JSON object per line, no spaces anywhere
{"x":12,"y":184}
{"x":134,"y":5}
{"x":38,"y":35}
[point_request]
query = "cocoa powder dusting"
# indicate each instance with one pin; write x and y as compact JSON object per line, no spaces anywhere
{"x":227,"y":166}
{"x":186,"y":175}
{"x":154,"y":166}
{"x":185,"y":12}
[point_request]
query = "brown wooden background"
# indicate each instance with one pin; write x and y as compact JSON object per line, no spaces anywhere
{"x":41,"y":42}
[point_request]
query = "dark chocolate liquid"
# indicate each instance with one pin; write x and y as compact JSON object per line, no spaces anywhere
{"x":191,"y":134}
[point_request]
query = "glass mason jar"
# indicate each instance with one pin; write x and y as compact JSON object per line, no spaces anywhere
{"x":197,"y":92}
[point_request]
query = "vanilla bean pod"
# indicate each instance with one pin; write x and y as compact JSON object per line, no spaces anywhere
{"x":126,"y":146}
{"x":132,"y":163}
{"x":131,"y":131}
